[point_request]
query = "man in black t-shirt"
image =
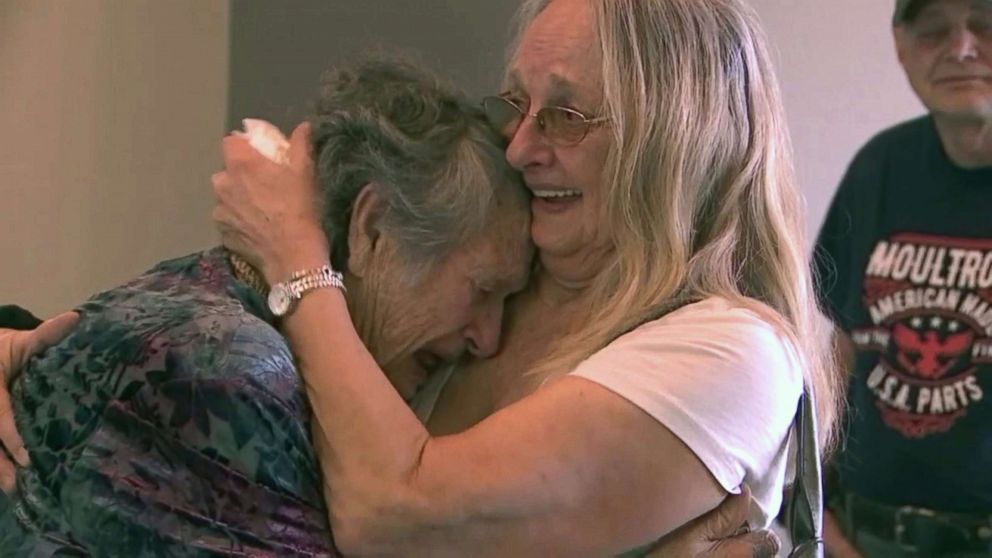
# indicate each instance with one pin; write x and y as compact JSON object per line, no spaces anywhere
{"x":905,"y":265}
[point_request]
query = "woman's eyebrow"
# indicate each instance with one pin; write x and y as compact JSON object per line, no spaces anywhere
{"x":564,"y":92}
{"x":513,"y":81}
{"x":561,"y":89}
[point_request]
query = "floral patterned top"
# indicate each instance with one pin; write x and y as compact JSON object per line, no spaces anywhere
{"x":171,"y":422}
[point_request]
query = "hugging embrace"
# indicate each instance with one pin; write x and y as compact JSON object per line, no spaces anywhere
{"x":570,"y":322}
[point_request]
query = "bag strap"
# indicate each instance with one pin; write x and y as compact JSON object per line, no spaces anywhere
{"x":805,"y":506}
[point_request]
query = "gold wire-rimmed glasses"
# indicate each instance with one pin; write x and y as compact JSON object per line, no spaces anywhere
{"x":561,"y":125}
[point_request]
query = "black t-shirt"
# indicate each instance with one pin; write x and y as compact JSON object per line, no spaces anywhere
{"x":905,"y":264}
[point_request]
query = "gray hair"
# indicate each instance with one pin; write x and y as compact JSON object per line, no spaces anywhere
{"x":439,"y":167}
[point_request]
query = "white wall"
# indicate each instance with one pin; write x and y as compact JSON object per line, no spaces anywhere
{"x":842,"y":84}
{"x":110,"y":112}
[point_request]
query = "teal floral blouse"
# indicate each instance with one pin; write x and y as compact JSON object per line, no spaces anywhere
{"x":171,"y":422}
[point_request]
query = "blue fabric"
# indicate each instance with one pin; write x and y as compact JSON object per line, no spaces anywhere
{"x":171,"y":422}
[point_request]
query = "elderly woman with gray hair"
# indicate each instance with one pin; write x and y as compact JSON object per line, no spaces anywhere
{"x":172,"y":420}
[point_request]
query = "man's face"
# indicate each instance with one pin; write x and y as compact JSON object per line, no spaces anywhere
{"x":558,"y":65}
{"x":456,"y":307}
{"x":946,"y":51}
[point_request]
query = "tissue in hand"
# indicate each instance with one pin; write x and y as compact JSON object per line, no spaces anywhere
{"x":266,"y":139}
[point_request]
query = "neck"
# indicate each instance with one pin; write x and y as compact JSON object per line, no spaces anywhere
{"x":366,"y":305}
{"x":555,"y":290}
{"x":244,"y":272}
{"x":967,"y":142}
{"x":357,"y":308}
{"x":564,"y":278}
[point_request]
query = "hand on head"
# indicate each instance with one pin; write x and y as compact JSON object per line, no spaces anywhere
{"x":267,"y":212}
{"x":16,"y":348}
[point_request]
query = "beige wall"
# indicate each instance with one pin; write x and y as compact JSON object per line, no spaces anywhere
{"x":841,"y":81}
{"x":111,"y":113}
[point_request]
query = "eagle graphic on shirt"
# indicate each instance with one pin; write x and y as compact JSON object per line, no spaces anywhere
{"x":926,"y":354}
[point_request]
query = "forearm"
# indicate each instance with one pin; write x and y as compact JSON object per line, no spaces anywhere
{"x":391,"y":489}
{"x":837,"y":545}
{"x":369,"y":442}
{"x":540,"y":476}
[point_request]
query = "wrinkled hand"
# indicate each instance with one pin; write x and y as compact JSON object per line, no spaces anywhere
{"x":16,"y":347}
{"x":721,"y":533}
{"x":269,"y":213}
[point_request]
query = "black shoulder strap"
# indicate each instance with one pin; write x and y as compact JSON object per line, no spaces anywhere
{"x":805,"y":505}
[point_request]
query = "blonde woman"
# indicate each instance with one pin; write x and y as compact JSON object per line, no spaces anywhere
{"x":655,"y":360}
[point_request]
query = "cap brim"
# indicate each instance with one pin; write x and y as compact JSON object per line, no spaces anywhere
{"x":901,"y":11}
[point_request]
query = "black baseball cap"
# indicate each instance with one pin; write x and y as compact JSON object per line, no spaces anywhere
{"x":905,"y":10}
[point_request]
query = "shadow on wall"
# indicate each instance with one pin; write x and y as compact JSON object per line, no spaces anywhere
{"x":279,"y":50}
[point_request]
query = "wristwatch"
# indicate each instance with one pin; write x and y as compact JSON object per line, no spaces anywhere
{"x":283,"y":296}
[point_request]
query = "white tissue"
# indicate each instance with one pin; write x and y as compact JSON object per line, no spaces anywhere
{"x":266,"y":139}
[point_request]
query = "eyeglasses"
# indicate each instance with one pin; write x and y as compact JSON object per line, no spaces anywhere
{"x":562,"y":126}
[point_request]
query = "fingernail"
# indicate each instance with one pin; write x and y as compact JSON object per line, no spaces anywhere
{"x":767,"y":546}
{"x":23,"y":457}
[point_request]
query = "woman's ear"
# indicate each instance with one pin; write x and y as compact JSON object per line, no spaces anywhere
{"x":364,"y":229}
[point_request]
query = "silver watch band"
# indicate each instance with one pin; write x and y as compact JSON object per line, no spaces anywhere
{"x":283,"y":295}
{"x":304,"y":281}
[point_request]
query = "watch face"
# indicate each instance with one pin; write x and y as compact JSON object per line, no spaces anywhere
{"x":279,"y":300}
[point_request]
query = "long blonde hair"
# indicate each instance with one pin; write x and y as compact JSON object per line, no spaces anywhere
{"x":701,"y":193}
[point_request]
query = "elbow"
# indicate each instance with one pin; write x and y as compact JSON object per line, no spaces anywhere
{"x":352,"y":536}
{"x":376,"y":526}
{"x":353,"y":526}
{"x":382,"y":514}
{"x":357,"y":531}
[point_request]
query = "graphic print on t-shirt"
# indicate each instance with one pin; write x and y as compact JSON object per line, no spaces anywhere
{"x":929,"y":300}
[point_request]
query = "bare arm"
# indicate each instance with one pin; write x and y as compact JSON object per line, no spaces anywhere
{"x":572,"y":469}
{"x":836,"y":543}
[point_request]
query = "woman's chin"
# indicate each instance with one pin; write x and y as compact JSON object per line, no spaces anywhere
{"x":555,"y":238}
